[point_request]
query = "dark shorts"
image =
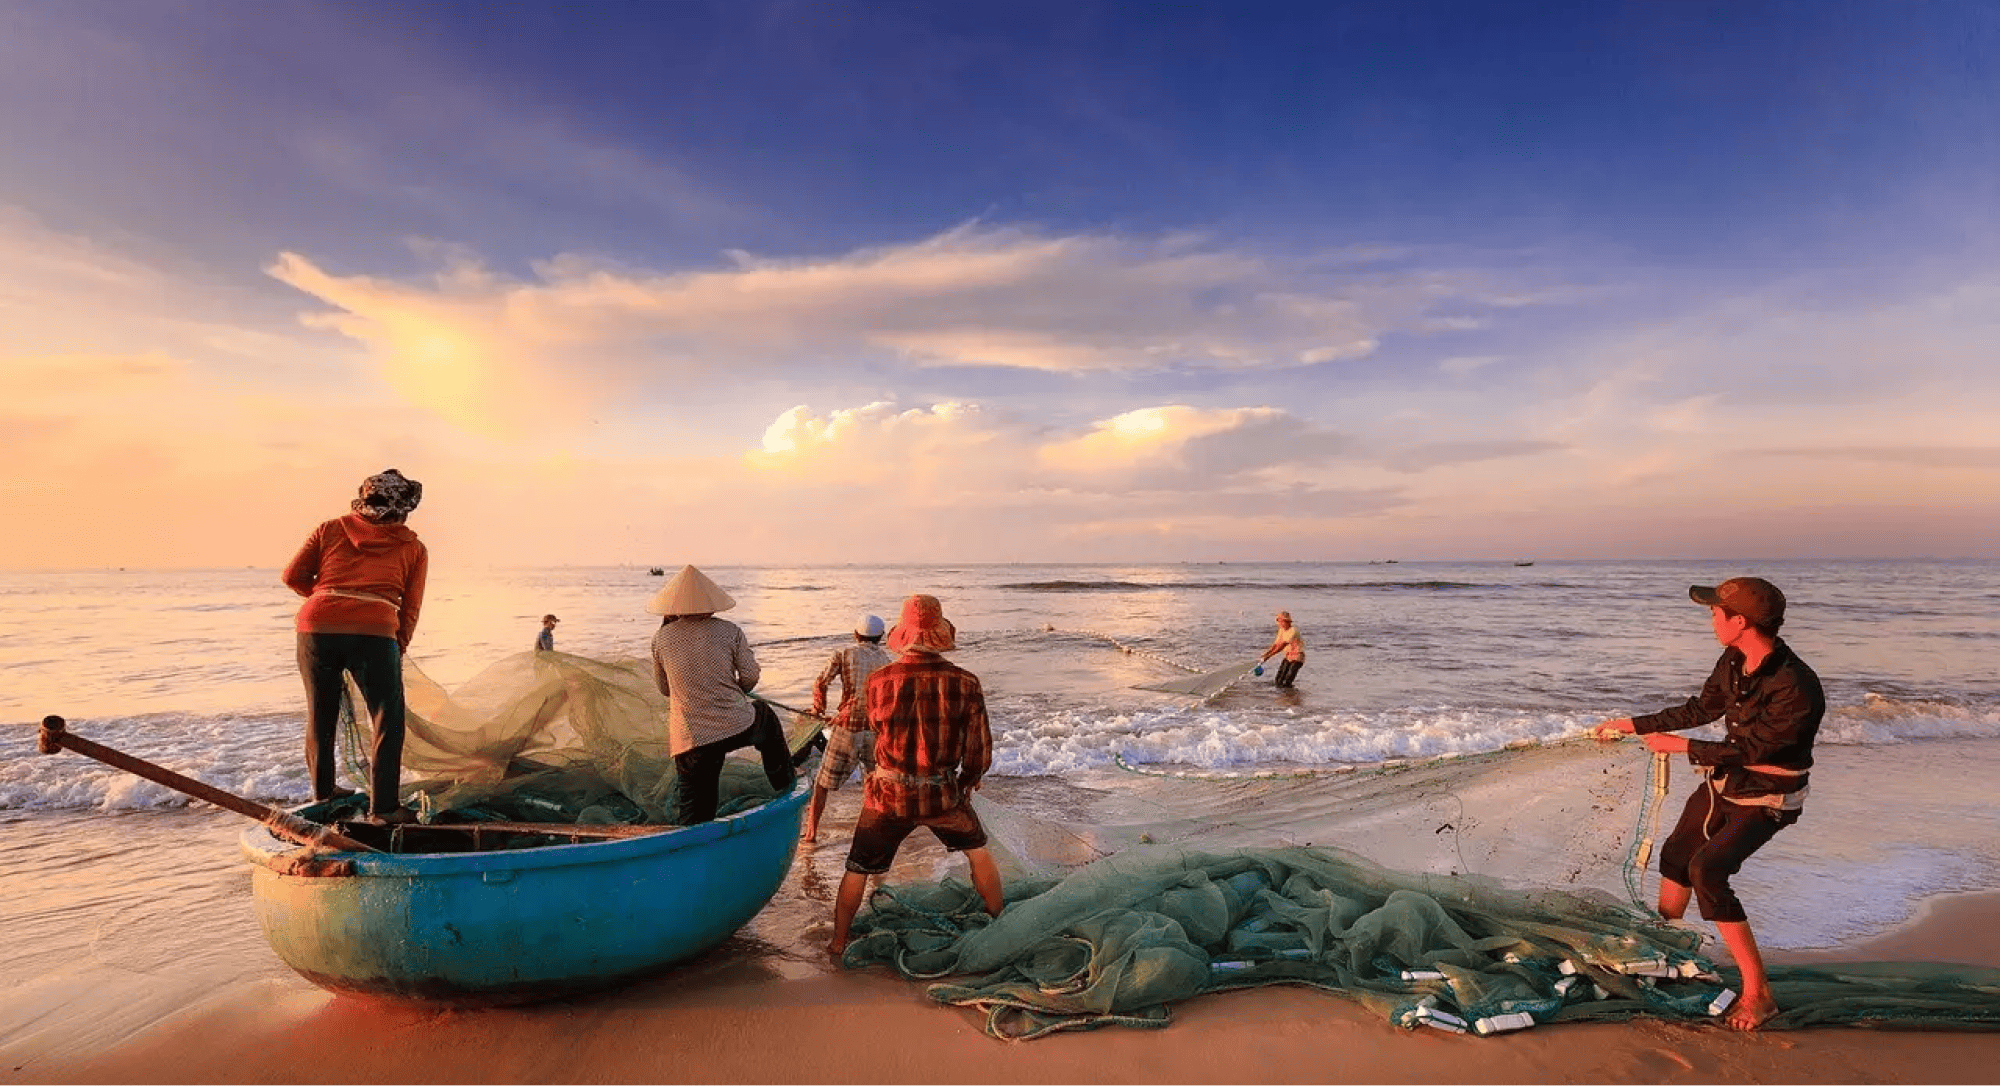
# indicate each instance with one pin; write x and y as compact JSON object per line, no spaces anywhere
{"x":1709,"y":846}
{"x":879,"y":834}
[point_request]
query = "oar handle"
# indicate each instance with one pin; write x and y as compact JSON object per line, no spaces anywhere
{"x":55,"y":736}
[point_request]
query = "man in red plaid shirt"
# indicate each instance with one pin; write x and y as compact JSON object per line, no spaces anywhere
{"x":932,"y":747}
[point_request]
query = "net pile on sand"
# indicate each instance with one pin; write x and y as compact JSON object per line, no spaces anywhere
{"x":1117,"y":941}
{"x":545,"y":737}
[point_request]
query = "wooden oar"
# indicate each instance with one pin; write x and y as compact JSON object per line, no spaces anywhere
{"x":55,"y":736}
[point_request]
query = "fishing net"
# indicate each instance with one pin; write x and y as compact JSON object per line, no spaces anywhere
{"x":1205,"y":684}
{"x":546,"y":737}
{"x":1199,"y":683}
{"x":1474,"y":893}
{"x":1119,"y":940}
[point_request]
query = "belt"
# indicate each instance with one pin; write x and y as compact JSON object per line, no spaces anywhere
{"x":351,"y":594}
{"x":938,"y":780}
{"x":1783,"y":801}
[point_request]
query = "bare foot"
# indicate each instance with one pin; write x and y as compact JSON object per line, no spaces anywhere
{"x":1746,"y":1016}
{"x":836,"y":951}
{"x":810,"y":835}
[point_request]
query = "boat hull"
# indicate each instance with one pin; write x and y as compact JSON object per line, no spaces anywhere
{"x":519,"y":925}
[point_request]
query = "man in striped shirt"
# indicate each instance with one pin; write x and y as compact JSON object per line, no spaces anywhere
{"x":933,"y":746}
{"x":850,"y":741}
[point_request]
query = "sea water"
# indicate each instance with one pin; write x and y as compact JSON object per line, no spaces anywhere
{"x":1405,"y":662}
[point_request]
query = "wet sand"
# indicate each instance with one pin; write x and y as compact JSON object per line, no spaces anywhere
{"x":739,"y":1020}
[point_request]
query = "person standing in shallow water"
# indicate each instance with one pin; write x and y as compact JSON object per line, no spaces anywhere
{"x":363,"y":578}
{"x":1771,"y":705}
{"x":704,"y":666}
{"x":1292,"y":645}
{"x":933,"y":746}
{"x":546,"y":640}
{"x":850,"y":741}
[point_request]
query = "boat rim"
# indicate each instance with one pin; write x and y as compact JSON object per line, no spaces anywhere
{"x":274,"y":853}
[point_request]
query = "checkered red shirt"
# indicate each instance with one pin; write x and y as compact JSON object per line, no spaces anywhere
{"x":932,"y":741}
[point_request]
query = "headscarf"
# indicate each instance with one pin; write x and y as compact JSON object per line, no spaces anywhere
{"x":923,"y":627}
{"x":387,"y":497}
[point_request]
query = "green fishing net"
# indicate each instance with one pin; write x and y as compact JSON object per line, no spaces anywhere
{"x":1118,"y":941}
{"x":546,"y":737}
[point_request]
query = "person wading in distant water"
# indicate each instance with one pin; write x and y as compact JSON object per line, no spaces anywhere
{"x":704,"y":665}
{"x":932,"y":748}
{"x":1771,"y":705}
{"x":850,"y":741}
{"x":363,"y":579}
{"x":1292,"y":645}
{"x":546,"y":640}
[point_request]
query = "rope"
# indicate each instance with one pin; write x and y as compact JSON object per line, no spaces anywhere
{"x":1652,"y":800}
{"x":781,"y":705}
{"x":1128,"y":650}
{"x":1390,"y":766}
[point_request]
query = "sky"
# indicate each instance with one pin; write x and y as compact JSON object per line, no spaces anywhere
{"x":813,"y":282}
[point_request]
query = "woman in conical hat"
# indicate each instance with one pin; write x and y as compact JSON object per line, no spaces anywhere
{"x":704,"y":666}
{"x":690,"y":592}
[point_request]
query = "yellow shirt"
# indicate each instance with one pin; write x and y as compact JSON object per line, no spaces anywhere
{"x":1295,"y":646}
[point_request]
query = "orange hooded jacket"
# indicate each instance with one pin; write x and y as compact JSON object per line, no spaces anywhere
{"x":360,"y":577}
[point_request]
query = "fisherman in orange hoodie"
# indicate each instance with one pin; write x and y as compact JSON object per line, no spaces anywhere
{"x":363,"y":579}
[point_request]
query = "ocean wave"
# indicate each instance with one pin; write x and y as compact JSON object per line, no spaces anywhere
{"x":1038,"y":741}
{"x":1280,"y":586}
{"x":257,"y":755}
{"x":1882,"y":719}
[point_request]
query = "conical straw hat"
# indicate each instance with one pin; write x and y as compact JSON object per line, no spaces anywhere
{"x":690,"y":592}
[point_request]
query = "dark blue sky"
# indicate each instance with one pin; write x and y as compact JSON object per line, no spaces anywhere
{"x":1677,"y":132}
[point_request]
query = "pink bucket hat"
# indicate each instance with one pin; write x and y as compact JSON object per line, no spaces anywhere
{"x":923,"y":627}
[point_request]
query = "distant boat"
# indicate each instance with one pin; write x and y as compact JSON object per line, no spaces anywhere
{"x":657,"y":572}
{"x":1524,"y":563}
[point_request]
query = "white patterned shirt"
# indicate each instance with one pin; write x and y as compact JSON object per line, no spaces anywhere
{"x":853,"y":664}
{"x":705,"y":667}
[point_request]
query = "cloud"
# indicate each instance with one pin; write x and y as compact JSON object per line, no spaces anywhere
{"x":1463,"y":364}
{"x":990,"y":483}
{"x":1176,"y":447}
{"x":492,"y":352}
{"x":1171,"y":447}
{"x":1976,"y":458}
{"x":77,"y":379}
{"x":1420,"y":458}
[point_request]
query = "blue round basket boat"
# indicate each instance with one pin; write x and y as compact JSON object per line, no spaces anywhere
{"x":519,"y":924}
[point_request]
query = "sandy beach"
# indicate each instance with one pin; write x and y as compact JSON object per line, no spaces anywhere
{"x":744,"y":1024}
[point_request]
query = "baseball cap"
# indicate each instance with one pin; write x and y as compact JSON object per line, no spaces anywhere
{"x":868,"y":626}
{"x":1754,"y":598}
